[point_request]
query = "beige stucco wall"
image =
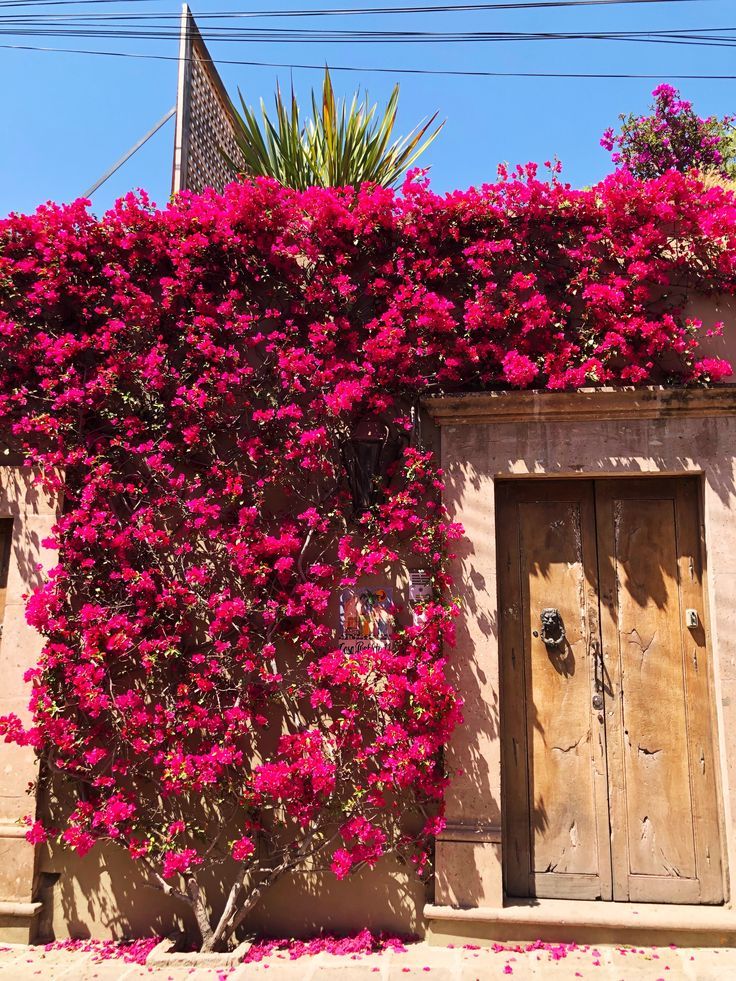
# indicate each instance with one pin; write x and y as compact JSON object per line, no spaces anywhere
{"x":33,"y":513}
{"x":106,"y":895}
{"x":593,"y":435}
{"x":712,"y":310}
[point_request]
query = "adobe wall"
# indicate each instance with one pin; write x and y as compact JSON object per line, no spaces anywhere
{"x":33,"y":514}
{"x":712,"y":310}
{"x":483,"y":438}
{"x":105,"y":895}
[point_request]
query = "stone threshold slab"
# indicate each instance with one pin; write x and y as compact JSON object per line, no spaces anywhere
{"x":647,"y":924}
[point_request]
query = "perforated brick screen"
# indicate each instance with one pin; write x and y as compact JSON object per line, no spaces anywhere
{"x":210,"y":129}
{"x":205,"y":123}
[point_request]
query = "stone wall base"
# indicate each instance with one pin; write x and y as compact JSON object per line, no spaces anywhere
{"x":17,"y":922}
{"x":572,"y":921}
{"x":468,"y":873}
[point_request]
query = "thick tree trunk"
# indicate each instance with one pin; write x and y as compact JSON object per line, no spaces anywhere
{"x":233,"y":915}
{"x":200,"y":913}
{"x":220,"y":935}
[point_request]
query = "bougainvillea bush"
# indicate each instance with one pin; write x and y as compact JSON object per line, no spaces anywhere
{"x":672,"y":136}
{"x":188,"y":379}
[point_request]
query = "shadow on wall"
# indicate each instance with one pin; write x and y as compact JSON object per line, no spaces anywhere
{"x":389,"y":898}
{"x":105,"y":895}
{"x":20,"y":496}
{"x":465,"y":872}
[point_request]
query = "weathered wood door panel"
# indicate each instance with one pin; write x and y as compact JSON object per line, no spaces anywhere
{"x":609,"y":787}
{"x":555,"y":789}
{"x":662,"y":786}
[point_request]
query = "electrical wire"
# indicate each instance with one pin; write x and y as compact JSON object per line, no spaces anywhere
{"x":90,"y":22}
{"x":390,"y":71}
{"x":699,"y":39}
{"x":86,"y":25}
{"x":55,"y":27}
{"x":357,"y":11}
{"x":347,"y":35}
{"x":26,"y":21}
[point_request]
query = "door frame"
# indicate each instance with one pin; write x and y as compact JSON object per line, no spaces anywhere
{"x":595,"y":433}
{"x":688,"y":489}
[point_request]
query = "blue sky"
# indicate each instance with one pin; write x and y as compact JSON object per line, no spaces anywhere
{"x":66,"y":118}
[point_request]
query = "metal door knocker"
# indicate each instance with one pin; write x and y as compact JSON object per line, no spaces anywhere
{"x":553,"y":630}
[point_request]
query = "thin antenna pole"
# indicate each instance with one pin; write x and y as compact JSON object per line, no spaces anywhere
{"x":126,"y":156}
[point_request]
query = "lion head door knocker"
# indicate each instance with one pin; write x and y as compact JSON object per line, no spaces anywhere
{"x":553,"y":637}
{"x":553,"y":629}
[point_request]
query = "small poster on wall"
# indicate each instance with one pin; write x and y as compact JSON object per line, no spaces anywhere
{"x":420,"y":591}
{"x":365,"y":617}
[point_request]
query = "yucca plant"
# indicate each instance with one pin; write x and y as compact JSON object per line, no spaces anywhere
{"x":339,"y":145}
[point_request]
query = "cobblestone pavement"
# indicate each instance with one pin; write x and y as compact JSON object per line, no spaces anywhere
{"x":604,"y":963}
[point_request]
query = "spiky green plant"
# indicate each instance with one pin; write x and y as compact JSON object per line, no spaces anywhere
{"x":338,"y":146}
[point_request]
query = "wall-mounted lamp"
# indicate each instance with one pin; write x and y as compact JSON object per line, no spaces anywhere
{"x":365,"y":458}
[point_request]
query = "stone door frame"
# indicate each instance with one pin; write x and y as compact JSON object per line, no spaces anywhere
{"x":590,"y":433}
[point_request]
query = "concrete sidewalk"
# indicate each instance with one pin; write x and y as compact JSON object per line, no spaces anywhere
{"x":604,"y":963}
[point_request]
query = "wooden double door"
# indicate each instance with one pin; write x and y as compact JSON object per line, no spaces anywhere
{"x":608,"y":777}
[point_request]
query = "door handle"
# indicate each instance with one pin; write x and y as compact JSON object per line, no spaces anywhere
{"x":597,"y":666}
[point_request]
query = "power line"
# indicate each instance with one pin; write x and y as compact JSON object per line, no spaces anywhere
{"x":698,"y":37}
{"x":389,"y":71}
{"x":161,"y":18}
{"x":357,"y":11}
{"x":89,"y":22}
{"x":701,"y":37}
{"x":54,"y":27}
